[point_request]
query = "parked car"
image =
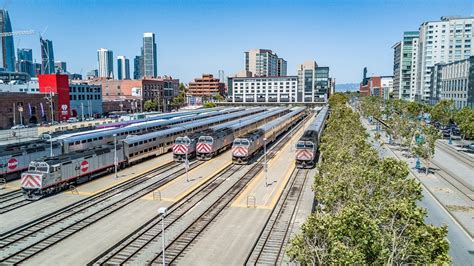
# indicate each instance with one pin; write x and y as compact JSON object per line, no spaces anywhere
{"x":18,"y":127}
{"x":72,"y":120}
{"x":470,"y":146}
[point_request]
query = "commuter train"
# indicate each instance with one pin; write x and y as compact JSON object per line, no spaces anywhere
{"x":244,"y":148}
{"x":307,"y":145}
{"x":187,"y":144}
{"x":14,"y":158}
{"x":163,"y":116}
{"x":48,"y":175}
{"x":83,"y":142}
{"x":219,"y":138}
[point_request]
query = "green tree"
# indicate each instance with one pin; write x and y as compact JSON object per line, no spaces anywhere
{"x":366,"y":211}
{"x":337,"y":99}
{"x":218,"y":98}
{"x":424,"y":144}
{"x":443,"y":111}
{"x":150,"y":105}
{"x":464,"y":118}
{"x":209,"y":105}
{"x":180,"y":99}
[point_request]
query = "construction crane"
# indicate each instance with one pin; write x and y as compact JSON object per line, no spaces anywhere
{"x":17,"y":33}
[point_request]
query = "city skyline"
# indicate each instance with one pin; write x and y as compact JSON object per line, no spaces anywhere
{"x":183,"y":54}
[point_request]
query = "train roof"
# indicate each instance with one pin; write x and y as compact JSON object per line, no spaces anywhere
{"x":180,"y":128}
{"x":163,"y":123}
{"x":82,"y":133}
{"x":29,"y":148}
{"x":316,"y":124}
{"x":233,"y":125}
{"x":64,"y":158}
{"x":264,"y":128}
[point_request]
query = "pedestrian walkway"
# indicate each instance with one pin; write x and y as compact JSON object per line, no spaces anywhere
{"x":459,"y":206}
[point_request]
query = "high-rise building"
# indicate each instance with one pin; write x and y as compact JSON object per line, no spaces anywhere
{"x":263,"y":89}
{"x":313,"y":82}
{"x":47,"y":56}
{"x":264,"y":63}
{"x":60,"y":67}
{"x":94,"y":73}
{"x":281,"y":67}
{"x":444,"y":41}
{"x":149,"y":55}
{"x":25,"y":62}
{"x":138,"y":67}
{"x":7,"y":60}
{"x":221,"y":76}
{"x":105,"y":60}
{"x":123,"y":67}
{"x":405,"y":63}
{"x":453,"y":81}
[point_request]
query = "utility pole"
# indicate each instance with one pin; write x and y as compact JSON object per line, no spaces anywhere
{"x":82,"y":111}
{"x":14,"y":114}
{"x":265,"y":167}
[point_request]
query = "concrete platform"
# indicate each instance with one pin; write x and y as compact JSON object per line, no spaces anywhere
{"x":179,"y":187}
{"x":266,"y":192}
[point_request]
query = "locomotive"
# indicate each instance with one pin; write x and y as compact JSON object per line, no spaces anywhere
{"x":220,"y":137}
{"x":48,"y":175}
{"x":307,"y":145}
{"x":185,"y":148}
{"x":244,"y":148}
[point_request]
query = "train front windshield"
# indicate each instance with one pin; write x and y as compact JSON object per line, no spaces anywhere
{"x":241,"y":142}
{"x":205,"y":139}
{"x":38,"y":167}
{"x":181,"y":140}
{"x":304,"y":145}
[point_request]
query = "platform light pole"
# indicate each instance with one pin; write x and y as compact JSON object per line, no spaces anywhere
{"x":51,"y":144}
{"x":162,"y":211}
{"x":115,"y":155}
{"x":265,"y":167}
{"x":186,"y":163}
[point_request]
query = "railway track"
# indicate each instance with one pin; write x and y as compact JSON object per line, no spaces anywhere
{"x":457,"y":182}
{"x":9,"y":196}
{"x":23,"y":242}
{"x":461,"y":156}
{"x":269,"y":247}
{"x":178,"y":245}
{"x":130,"y":248}
{"x":185,"y":219}
{"x":6,"y":206}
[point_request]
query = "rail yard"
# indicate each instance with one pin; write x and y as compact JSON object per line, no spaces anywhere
{"x":218,"y":186}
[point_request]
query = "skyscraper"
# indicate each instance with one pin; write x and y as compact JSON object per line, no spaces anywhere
{"x":149,"y":55}
{"x":443,"y":41}
{"x":47,"y":56}
{"x":264,"y":63}
{"x":60,"y":66}
{"x":405,"y":58}
{"x":123,"y":67}
{"x":105,"y":59}
{"x":7,"y":60}
{"x":25,"y":62}
{"x":138,"y":67}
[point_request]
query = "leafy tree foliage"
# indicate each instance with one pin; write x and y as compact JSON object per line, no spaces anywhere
{"x":209,"y":105}
{"x":337,"y":99}
{"x":367,"y":211}
{"x":464,"y":118}
{"x":180,"y":99}
{"x":219,"y":98}
{"x":443,"y":111}
{"x":424,"y":147}
{"x":150,"y":105}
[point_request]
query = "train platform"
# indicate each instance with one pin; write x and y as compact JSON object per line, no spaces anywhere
{"x":264,"y":193}
{"x":179,"y":187}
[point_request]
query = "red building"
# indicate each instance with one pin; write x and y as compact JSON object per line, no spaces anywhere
{"x":58,"y":84}
{"x":372,"y":88}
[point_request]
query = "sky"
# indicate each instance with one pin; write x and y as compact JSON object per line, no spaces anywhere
{"x":203,"y":36}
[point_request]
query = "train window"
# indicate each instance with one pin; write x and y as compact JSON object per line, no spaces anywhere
{"x":77,"y":143}
{"x":70,"y":144}
{"x":95,"y":139}
{"x":83,"y":141}
{"x":100,"y":138}
{"x":89,"y":140}
{"x":141,"y":142}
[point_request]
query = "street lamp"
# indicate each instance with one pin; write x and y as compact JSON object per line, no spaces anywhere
{"x":265,"y":166}
{"x":162,"y":211}
{"x":51,"y":144}
{"x":115,"y":154}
